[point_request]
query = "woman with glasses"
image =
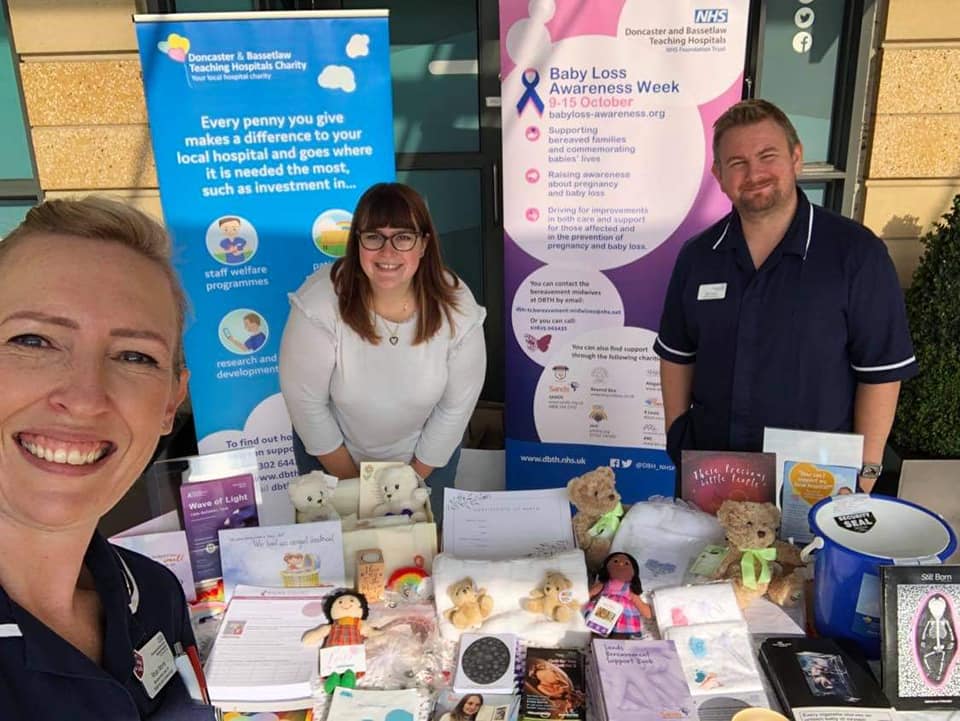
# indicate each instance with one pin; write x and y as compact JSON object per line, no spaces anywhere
{"x":383,"y":354}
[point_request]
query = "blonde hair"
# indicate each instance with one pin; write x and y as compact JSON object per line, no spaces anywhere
{"x":100,"y":218}
{"x":750,"y":112}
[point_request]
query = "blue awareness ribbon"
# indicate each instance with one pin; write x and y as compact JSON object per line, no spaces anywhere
{"x":530,"y":94}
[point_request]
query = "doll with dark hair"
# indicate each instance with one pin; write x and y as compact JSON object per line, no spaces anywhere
{"x":346,"y":612}
{"x":619,"y":580}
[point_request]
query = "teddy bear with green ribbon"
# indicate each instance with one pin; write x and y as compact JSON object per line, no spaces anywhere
{"x":598,"y":515}
{"x":756,"y":561}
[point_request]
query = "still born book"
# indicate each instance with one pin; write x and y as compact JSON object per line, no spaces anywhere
{"x":920,"y":612}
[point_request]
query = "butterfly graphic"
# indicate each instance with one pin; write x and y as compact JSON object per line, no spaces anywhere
{"x":533,"y":343}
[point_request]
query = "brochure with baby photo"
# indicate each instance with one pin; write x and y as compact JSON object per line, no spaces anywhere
{"x":295,"y":556}
{"x":209,"y":507}
{"x":804,"y":485}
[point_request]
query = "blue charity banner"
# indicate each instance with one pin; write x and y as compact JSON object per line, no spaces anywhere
{"x":266,"y":128}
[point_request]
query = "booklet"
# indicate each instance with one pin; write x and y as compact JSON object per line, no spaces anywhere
{"x":554,"y":686}
{"x":804,"y":485}
{"x":817,"y":681}
{"x":496,"y":525}
{"x":359,"y":704}
{"x":633,"y":680}
{"x":257,"y":655}
{"x":920,"y":620}
{"x":708,"y":478}
{"x":298,"y":555}
{"x":212,"y":505}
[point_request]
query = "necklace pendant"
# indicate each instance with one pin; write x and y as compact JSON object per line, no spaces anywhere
{"x":394,"y":340}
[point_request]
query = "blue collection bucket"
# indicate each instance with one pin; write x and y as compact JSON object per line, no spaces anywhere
{"x":853,"y":536}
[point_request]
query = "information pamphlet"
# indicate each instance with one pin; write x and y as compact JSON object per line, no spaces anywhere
{"x":257,"y":655}
{"x":804,"y":484}
{"x":209,"y":507}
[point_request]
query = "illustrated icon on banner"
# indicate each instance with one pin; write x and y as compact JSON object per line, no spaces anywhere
{"x":533,"y":343}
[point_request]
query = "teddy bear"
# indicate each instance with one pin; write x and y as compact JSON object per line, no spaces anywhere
{"x":553,"y":598}
{"x":770,"y":567}
{"x":402,"y":494}
{"x":598,"y":513}
{"x":471,"y":605}
{"x":312,"y":496}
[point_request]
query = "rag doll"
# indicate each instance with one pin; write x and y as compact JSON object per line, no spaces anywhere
{"x":619,"y":580}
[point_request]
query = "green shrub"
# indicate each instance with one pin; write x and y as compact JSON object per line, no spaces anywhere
{"x":928,"y":417}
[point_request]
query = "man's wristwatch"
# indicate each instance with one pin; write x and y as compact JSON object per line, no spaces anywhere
{"x":871,"y":471}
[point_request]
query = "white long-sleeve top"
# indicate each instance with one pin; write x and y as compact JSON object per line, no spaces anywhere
{"x":384,"y":402}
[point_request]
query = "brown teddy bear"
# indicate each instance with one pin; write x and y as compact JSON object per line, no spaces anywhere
{"x":756,"y":561}
{"x":470,"y":604}
{"x":598,"y":513}
{"x":553,"y":598}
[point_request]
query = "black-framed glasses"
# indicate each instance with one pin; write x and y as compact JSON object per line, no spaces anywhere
{"x":403,"y":241}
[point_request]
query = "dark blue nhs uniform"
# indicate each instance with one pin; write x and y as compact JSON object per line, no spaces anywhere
{"x":42,"y":676}
{"x":784,"y":345}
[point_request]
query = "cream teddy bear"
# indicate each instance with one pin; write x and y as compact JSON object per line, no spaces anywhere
{"x":312,"y":496}
{"x":402,"y":494}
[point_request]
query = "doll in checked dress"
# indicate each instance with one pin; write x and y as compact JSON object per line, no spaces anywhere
{"x":619,"y":580}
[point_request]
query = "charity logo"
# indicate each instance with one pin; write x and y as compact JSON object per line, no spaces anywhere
{"x":597,"y":413}
{"x":176,"y":47}
{"x":560,"y":372}
{"x":599,"y":374}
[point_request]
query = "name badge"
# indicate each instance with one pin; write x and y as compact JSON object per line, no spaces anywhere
{"x":712,"y":291}
{"x":153,"y":664}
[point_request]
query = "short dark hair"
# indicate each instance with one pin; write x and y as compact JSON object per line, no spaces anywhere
{"x":228,"y":219}
{"x":750,"y":112}
{"x":337,"y":595}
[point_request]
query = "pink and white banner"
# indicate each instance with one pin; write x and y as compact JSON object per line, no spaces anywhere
{"x":607,"y":125}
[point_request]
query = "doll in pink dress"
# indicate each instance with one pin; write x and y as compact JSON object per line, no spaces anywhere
{"x":619,"y":580}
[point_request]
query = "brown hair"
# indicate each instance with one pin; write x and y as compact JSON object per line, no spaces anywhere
{"x":749,"y":112}
{"x":99,"y":218}
{"x":253,"y":318}
{"x":227,"y":219}
{"x":434,"y":285}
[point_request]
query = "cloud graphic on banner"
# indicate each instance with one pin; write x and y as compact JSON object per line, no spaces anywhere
{"x":358,"y":46}
{"x":175,"y":47}
{"x":268,"y":430}
{"x":337,"y":77}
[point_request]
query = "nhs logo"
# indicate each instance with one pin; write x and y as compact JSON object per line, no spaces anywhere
{"x":708,"y":15}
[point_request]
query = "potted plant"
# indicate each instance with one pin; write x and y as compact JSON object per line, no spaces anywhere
{"x":928,"y":417}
